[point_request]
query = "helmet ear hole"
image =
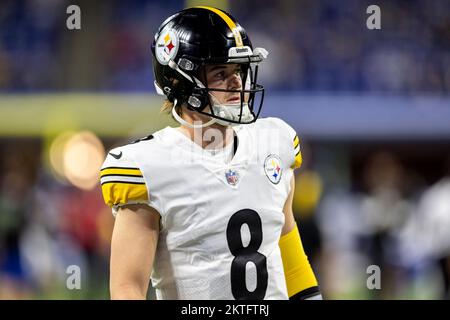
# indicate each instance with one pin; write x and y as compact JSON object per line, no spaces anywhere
{"x":194,"y":102}
{"x":199,"y":100}
{"x":170,"y":89}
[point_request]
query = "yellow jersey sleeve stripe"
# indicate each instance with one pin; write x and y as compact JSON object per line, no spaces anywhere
{"x":297,"y":270}
{"x":298,"y":155}
{"x":115,"y":193}
{"x":296,"y":142}
{"x":297,"y":161}
{"x":230,"y":23}
{"x":120,"y":171}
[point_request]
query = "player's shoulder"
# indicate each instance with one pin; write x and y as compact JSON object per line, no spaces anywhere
{"x":120,"y":167}
{"x":122,"y":156}
{"x":273,"y":123}
{"x":126,"y":155}
{"x":285,"y":135}
{"x":122,"y":174}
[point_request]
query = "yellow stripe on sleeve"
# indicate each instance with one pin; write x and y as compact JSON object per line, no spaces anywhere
{"x":115,"y":193}
{"x":296,"y":142}
{"x":298,"y":161}
{"x":297,"y":270}
{"x":298,"y":154}
{"x":230,"y":23}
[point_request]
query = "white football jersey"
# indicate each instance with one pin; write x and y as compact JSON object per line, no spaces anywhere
{"x":220,"y":220}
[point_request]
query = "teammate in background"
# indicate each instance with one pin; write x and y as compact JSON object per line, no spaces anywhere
{"x":205,"y":209}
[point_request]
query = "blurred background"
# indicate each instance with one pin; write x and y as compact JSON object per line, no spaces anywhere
{"x":372,"y":108}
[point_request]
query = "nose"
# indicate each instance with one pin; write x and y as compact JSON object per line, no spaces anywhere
{"x":234,"y":81}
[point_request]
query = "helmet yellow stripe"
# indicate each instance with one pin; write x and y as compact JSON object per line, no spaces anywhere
{"x":230,"y":23}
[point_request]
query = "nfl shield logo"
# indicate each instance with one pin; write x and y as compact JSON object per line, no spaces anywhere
{"x":232,"y":177}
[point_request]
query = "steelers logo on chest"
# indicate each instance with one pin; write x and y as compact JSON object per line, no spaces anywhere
{"x":272,"y":168}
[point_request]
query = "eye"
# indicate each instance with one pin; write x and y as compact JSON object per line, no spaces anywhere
{"x":220,"y":75}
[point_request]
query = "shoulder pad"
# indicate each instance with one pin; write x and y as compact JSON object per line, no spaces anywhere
{"x":121,"y":179}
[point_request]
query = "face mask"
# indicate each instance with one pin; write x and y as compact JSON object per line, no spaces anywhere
{"x":230,"y":111}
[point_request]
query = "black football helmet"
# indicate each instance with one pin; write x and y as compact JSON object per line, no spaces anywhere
{"x":199,"y":36}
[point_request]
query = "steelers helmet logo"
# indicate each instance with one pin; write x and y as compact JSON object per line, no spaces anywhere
{"x":272,"y":168}
{"x":166,"y":46}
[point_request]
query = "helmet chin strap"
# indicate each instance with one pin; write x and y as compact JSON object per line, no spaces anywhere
{"x":188,"y":124}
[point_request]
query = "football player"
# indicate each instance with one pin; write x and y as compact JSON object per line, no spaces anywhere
{"x":208,"y":217}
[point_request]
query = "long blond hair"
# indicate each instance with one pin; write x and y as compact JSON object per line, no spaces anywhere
{"x":168,"y":105}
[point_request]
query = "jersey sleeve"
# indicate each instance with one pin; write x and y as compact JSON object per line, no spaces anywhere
{"x":297,"y":153}
{"x":122,"y":181}
{"x":290,"y":143}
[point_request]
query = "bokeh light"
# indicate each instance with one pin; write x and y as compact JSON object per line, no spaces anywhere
{"x":76,"y":157}
{"x":308,"y":189}
{"x":82,"y":158}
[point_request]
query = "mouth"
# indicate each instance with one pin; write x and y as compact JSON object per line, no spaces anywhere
{"x":234,"y":99}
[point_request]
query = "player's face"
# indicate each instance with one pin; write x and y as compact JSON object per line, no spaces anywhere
{"x":228,"y":77}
